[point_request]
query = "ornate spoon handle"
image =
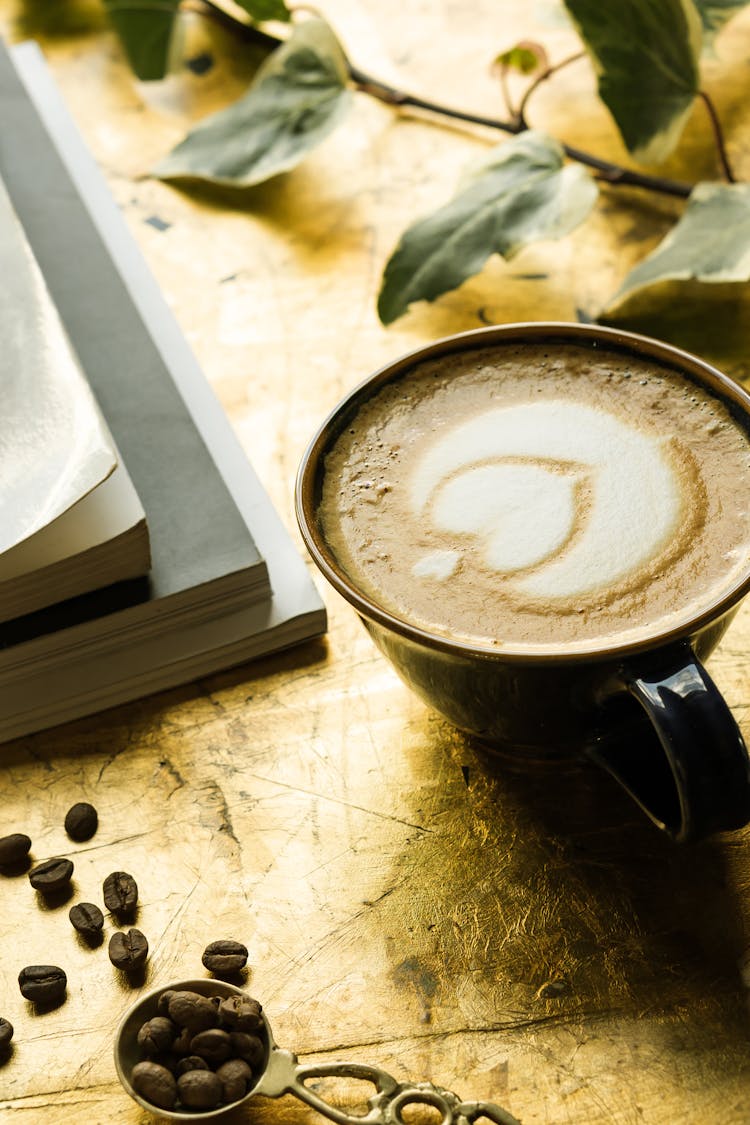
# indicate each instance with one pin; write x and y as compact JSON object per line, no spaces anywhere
{"x":286,"y":1075}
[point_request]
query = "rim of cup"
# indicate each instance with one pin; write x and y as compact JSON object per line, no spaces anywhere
{"x":309,"y":477}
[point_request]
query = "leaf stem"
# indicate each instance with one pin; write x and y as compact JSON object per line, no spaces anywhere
{"x":607,"y":171}
{"x":718,"y":133}
{"x":540,"y":78}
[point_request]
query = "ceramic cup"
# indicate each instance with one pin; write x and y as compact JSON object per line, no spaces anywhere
{"x":648,"y":712}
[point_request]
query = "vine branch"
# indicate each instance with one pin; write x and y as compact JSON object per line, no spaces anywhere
{"x":716,"y":129}
{"x":606,"y":170}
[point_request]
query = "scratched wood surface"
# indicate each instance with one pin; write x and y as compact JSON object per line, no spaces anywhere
{"x":512,"y":934}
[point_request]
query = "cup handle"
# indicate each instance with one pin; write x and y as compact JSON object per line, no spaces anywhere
{"x":683,"y":758}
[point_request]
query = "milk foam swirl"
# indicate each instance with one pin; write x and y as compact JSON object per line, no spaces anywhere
{"x":560,"y":498}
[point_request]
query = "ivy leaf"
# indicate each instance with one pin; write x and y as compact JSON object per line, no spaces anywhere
{"x":261,"y":10}
{"x":715,"y":13}
{"x":298,"y":97}
{"x":521,"y":193}
{"x":646,"y":57}
{"x":145,"y":30}
{"x":525,"y":57}
{"x":710,"y":243}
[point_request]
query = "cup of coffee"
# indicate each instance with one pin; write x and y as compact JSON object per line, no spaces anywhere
{"x":546,"y":528}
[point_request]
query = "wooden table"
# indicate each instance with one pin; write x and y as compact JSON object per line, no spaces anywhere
{"x":519,"y":936}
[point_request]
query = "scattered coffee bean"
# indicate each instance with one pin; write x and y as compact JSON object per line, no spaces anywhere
{"x":155,"y":1037}
{"x":193,"y":1011}
{"x":6,"y":1034}
{"x":87,"y":918}
{"x":234,"y":1075}
{"x":224,"y":957}
{"x":154,"y":1083}
{"x":81,"y":821}
{"x":51,"y":875}
{"x":199,"y":1089}
{"x":241,"y":1013}
{"x":14,"y":849}
{"x":128,"y":951}
{"x":42,"y":984}
{"x":120,"y":894}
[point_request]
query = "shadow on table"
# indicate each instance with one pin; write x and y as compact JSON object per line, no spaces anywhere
{"x":569,"y":904}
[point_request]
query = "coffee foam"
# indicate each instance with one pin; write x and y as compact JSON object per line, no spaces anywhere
{"x":555,"y":493}
{"x":529,"y":497}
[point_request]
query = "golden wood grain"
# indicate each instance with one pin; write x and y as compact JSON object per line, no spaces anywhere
{"x":520,"y":935}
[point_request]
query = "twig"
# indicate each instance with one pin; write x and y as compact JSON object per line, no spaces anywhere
{"x":391,"y":95}
{"x":545,"y":74}
{"x":718,"y":137}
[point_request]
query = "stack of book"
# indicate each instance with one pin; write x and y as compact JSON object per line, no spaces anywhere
{"x":138,"y":549}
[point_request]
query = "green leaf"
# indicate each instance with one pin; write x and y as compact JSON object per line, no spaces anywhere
{"x":646,"y":56}
{"x":298,"y":97}
{"x":145,"y":30}
{"x":521,"y":193}
{"x":265,"y":9}
{"x":710,"y":243}
{"x":715,"y":13}
{"x":525,"y":57}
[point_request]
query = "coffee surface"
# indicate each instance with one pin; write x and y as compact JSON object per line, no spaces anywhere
{"x":541,"y":495}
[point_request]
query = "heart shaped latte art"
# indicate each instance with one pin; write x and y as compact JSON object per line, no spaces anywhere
{"x":561,"y":499}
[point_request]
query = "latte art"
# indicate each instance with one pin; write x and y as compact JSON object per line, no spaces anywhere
{"x":562,"y":498}
{"x":530,"y":497}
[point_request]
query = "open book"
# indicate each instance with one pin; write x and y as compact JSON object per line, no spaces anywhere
{"x":226,"y":583}
{"x":70,"y":519}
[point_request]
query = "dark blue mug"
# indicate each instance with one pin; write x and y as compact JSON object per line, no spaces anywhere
{"x":646,"y":711}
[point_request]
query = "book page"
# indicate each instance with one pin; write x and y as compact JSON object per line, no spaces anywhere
{"x":54,"y":444}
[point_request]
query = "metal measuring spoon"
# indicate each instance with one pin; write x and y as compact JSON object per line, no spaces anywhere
{"x":284,"y":1074}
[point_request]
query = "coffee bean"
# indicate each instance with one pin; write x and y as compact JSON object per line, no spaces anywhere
{"x":155,"y":1036}
{"x":154,"y":1083}
{"x":181,"y":1045}
{"x":51,"y":875}
{"x":241,"y":1013}
{"x":14,"y":849}
{"x":234,"y":1075}
{"x":128,"y":951}
{"x":190,"y":1062}
{"x":193,"y":1011}
{"x":42,"y":984}
{"x":213,"y":1063}
{"x":248,"y":1047}
{"x":199,"y":1089}
{"x":162,"y":1004}
{"x":213,"y":1044}
{"x":6,"y":1034}
{"x":120,"y":894}
{"x":87,"y":918}
{"x":224,"y":957}
{"x":81,"y":821}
